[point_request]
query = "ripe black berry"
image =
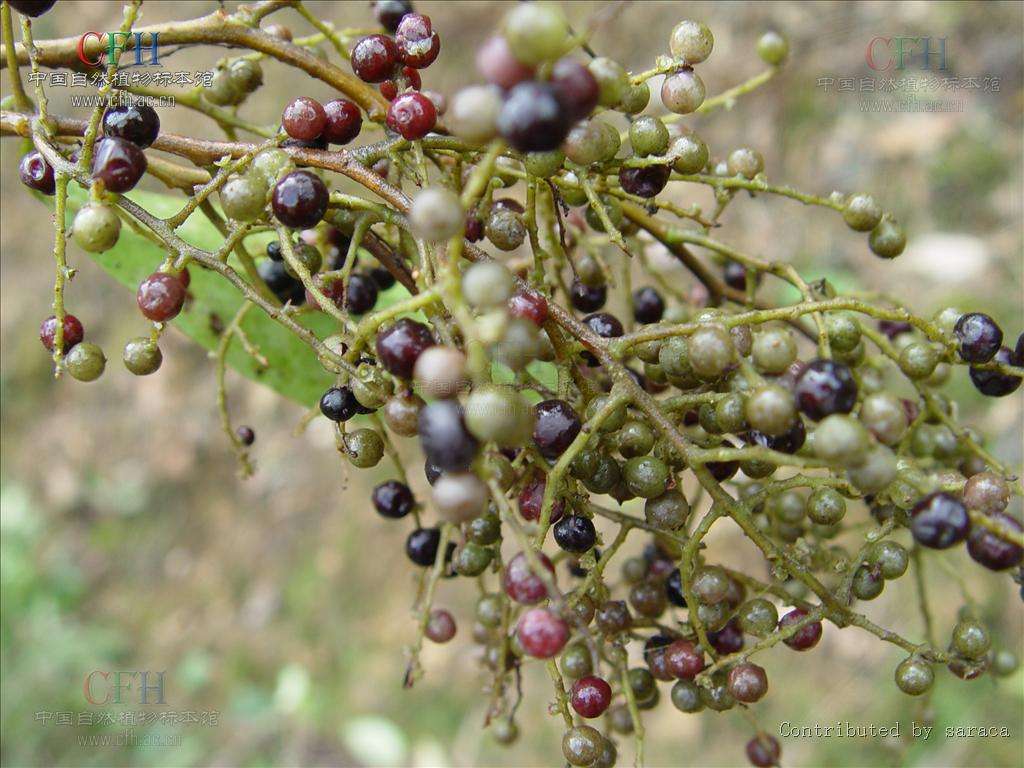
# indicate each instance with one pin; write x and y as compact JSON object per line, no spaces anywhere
{"x":400,"y":345}
{"x":575,"y":533}
{"x":939,"y":521}
{"x":390,"y":12}
{"x":789,"y":442}
{"x":555,"y":426}
{"x":137,"y":123}
{"x":35,"y":173}
{"x":825,"y":387}
{"x":648,"y":306}
{"x":360,"y":294}
{"x":444,"y":437}
{"x":245,"y":435}
{"x":339,"y":404}
{"x":576,"y":87}
{"x":280,"y":283}
{"x":421,"y":546}
{"x":587,"y":298}
{"x":118,"y":163}
{"x":373,"y":58}
{"x":604,"y":324}
{"x":644,"y":182}
{"x":991,"y":551}
{"x":33,"y":8}
{"x":73,"y":332}
{"x":393,"y":499}
{"x":994,"y":383}
{"x":299,"y":199}
{"x":674,"y":589}
{"x":979,"y":337}
{"x":533,"y":118}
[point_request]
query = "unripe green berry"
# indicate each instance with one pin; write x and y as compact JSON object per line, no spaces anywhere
{"x":971,"y":639}
{"x":771,"y":409}
{"x":841,"y":440}
{"x":710,"y":351}
{"x":436,"y":214}
{"x":537,"y":32}
{"x":690,"y":153}
{"x":612,"y":80}
{"x":773,"y":350}
{"x":501,"y":415}
{"x":884,"y":416}
{"x":876,"y":471}
{"x":914,"y":676}
{"x":635,"y":99}
{"x":544,"y":164}
{"x":142,"y":356}
{"x":773,"y":48}
{"x":887,"y":240}
{"x":85,"y":361}
{"x":825,"y":506}
{"x":691,"y":41}
{"x":918,"y":360}
{"x":505,"y":229}
{"x":758,"y":617}
{"x":648,"y":136}
{"x":96,"y":227}
{"x":890,"y":557}
{"x":365,"y":448}
{"x":241,"y":199}
{"x":745,"y":162}
{"x":487,"y":284}
{"x":862,"y":213}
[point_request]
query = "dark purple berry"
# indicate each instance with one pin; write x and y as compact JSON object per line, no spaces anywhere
{"x":35,"y":173}
{"x":994,"y":383}
{"x":790,"y":442}
{"x":299,"y":200}
{"x":979,"y":337}
{"x":893,"y":328}
{"x":343,"y":121}
{"x":825,"y":387}
{"x":531,"y":499}
{"x":245,"y":435}
{"x":991,"y":551}
{"x":382,"y":278}
{"x":576,"y":86}
{"x":587,"y":298}
{"x":763,"y":751}
{"x":605,"y":325}
{"x":285,"y":287}
{"x":118,"y":163}
{"x":674,"y":589}
{"x":421,"y":546}
{"x":431,"y":471}
{"x":575,"y":533}
{"x":555,"y":426}
{"x":339,"y":404}
{"x":137,"y":123}
{"x":274,"y":251}
{"x":444,"y":437}
{"x":393,"y":499}
{"x":533,"y":118}
{"x":939,"y":521}
{"x":735,"y":275}
{"x":390,"y":12}
{"x":644,"y":182}
{"x":33,"y":8}
{"x":648,"y":306}
{"x":806,"y":637}
{"x":373,"y":58}
{"x":361,"y":294}
{"x":400,"y":345}
{"x":728,"y":639}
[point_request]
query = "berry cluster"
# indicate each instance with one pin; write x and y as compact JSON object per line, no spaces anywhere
{"x":537,"y":409}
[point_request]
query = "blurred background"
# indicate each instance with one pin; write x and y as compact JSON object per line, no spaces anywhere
{"x":282,"y":603}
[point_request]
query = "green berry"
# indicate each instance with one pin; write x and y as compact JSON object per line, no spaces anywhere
{"x":890,"y":557}
{"x":544,"y":164}
{"x":242,"y":199}
{"x":612,"y":80}
{"x":771,"y":409}
{"x":270,"y":165}
{"x":887,"y":240}
{"x":689,"y":153}
{"x":773,"y":48}
{"x":500,"y":415}
{"x":472,"y":560}
{"x":576,"y":661}
{"x":885,"y":417}
{"x":487,"y":285}
{"x":970,"y":638}
{"x":710,"y":351}
{"x":646,"y":476}
{"x":634,"y":438}
{"x":365,"y":448}
{"x":635,"y":99}
{"x":841,"y":440}
{"x":773,"y":350}
{"x":691,"y":41}
{"x":582,"y":745}
{"x":758,"y":617}
{"x":686,"y":696}
{"x":843,"y":331}
{"x":668,"y":511}
{"x":918,"y":360}
{"x":867,"y":583}
{"x":648,"y":136}
{"x":745,"y":162}
{"x":85,"y":361}
{"x":142,"y":356}
{"x":825,"y":506}
{"x":485,"y":529}
{"x":862,"y":213}
{"x":914,"y":676}
{"x":96,"y":227}
{"x":876,"y":470}
{"x":537,"y":32}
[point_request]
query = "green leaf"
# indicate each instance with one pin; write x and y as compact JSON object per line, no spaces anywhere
{"x":293,"y":367}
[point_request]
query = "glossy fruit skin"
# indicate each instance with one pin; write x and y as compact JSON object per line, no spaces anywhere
{"x":339,"y":404}
{"x":533,"y":118}
{"x":991,"y":551}
{"x":971,"y":639}
{"x":373,"y":58}
{"x":160,"y":297}
{"x":763,"y":751}
{"x":575,"y":533}
{"x":422,"y":544}
{"x":531,"y":498}
{"x":390,"y":12}
{"x":412,"y":115}
{"x":35,"y":173}
{"x":400,"y":345}
{"x":747,"y":682}
{"x":825,"y":387}
{"x":299,"y":200}
{"x":978,"y":336}
{"x":118,"y":163}
{"x":142,"y":356}
{"x":644,"y":182}
{"x":604,"y":324}
{"x":242,"y":198}
{"x":555,"y":426}
{"x":728,"y":639}
{"x":440,"y":626}
{"x":648,"y":306}
{"x":590,"y":696}
{"x":683,"y":92}
{"x":137,"y":123}
{"x":686,"y":696}
{"x":73,"y":332}
{"x":587,"y":298}
{"x":342,"y":122}
{"x":444,"y":438}
{"x":417,"y":42}
{"x":939,"y":521}
{"x":806,"y":637}
{"x":304,"y":118}
{"x":281,"y":284}
{"x":529,"y":306}
{"x":576,"y":87}
{"x":521,"y":583}
{"x":85,"y":362}
{"x":914,"y":676}
{"x":613,"y":617}
{"x":994,"y":383}
{"x":245,"y":435}
{"x":361,"y":294}
{"x":393,"y":499}
{"x":684,"y":659}
{"x":33,"y":8}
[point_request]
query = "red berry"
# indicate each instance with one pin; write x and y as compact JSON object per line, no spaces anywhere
{"x":542,"y":633}
{"x":684,"y":659}
{"x":412,"y":115}
{"x":590,"y":696}
{"x":118,"y":163}
{"x":160,"y":297}
{"x":440,"y":626}
{"x":418,"y":44}
{"x":36,"y":173}
{"x":763,"y":751}
{"x":400,"y":345}
{"x":373,"y":58}
{"x":531,"y":501}
{"x":528,"y":305}
{"x":806,"y":637}
{"x":73,"y":332}
{"x":304,"y":118}
{"x":577,"y":87}
{"x":299,"y":199}
{"x":729,"y":639}
{"x":498,"y":66}
{"x":389,"y":88}
{"x":747,"y":682}
{"x":521,"y":583}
